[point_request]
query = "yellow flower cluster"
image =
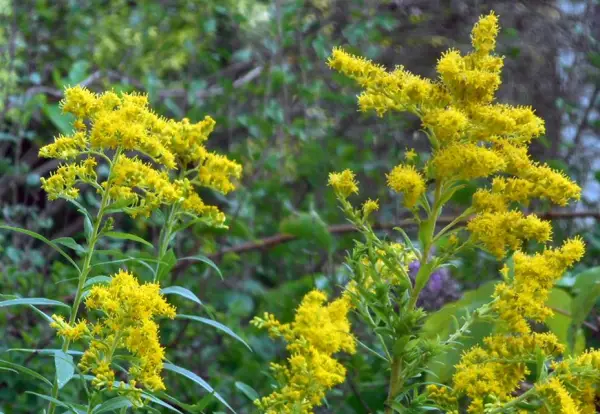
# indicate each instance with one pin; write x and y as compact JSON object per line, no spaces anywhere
{"x":497,"y":368}
{"x":108,"y":124}
{"x":405,"y":179}
{"x":471,"y":136}
{"x":317,"y":333}
{"x":524,"y":296}
{"x":126,"y":331}
{"x":344,"y":183}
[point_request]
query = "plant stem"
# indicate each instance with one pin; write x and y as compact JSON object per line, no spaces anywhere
{"x":85,"y":270}
{"x":515,"y":401}
{"x":396,"y":383}
{"x":164,"y":240}
{"x":427,"y":240}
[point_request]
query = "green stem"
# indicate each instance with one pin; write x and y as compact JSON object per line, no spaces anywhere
{"x":427,"y":231}
{"x":396,"y":383}
{"x":164,"y":239}
{"x":85,"y":270}
{"x":514,"y":402}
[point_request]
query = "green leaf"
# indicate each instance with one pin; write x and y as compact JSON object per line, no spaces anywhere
{"x":65,"y":368}
{"x":214,"y":324}
{"x":70,"y":243}
{"x":33,"y":301}
{"x":160,"y":402}
{"x":205,"y":260}
{"x":97,"y":279}
{"x":26,"y":371}
{"x":127,"y":236}
{"x":112,"y":404}
{"x":60,"y":119}
{"x":43,"y":239}
{"x":181,"y":291}
{"x":79,"y":409}
{"x":190,"y":375}
{"x":247,"y":390}
{"x":308,"y":226}
{"x":168,"y":261}
{"x":587,"y":291}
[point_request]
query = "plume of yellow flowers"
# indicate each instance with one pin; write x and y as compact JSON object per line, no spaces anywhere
{"x":153,"y":161}
{"x":317,"y":333}
{"x":471,"y":137}
{"x":126,"y":330}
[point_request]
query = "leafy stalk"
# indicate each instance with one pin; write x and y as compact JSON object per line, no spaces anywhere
{"x":84,"y":272}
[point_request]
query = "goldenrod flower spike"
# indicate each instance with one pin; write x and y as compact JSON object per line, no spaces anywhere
{"x":405,"y":179}
{"x":125,"y":123}
{"x":318,"y":332}
{"x":343,"y":183}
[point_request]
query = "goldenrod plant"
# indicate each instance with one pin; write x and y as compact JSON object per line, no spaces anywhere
{"x":138,"y":164}
{"x":473,"y":138}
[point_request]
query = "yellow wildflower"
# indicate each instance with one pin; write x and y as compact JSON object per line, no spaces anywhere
{"x":67,"y":331}
{"x":369,"y":207}
{"x":466,"y":161}
{"x":316,"y":334}
{"x":504,"y":230}
{"x":344,"y":183}
{"x":127,"y":324}
{"x":447,"y":124}
{"x":557,"y":396}
{"x":485,"y":31}
{"x":409,"y":182}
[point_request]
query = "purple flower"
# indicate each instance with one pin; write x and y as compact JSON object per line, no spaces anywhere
{"x":439,"y":290}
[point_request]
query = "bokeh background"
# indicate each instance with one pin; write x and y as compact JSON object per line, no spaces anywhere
{"x":259,"y":68}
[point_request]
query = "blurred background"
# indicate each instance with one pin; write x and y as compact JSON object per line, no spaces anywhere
{"x":259,"y":68}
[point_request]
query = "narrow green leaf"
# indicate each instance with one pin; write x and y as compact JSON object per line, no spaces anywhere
{"x":190,"y":375}
{"x":214,"y":324}
{"x":65,"y":368}
{"x":127,"y":236}
{"x":96,"y":279}
{"x":26,"y":371}
{"x":160,"y":402}
{"x":32,"y":301}
{"x":247,"y":390}
{"x":70,"y":243}
{"x":76,"y":408}
{"x":205,"y":260}
{"x":112,"y":404}
{"x":168,"y":261}
{"x":181,"y":291}
{"x":43,"y":239}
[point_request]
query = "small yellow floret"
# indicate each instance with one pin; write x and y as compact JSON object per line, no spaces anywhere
{"x":344,"y":183}
{"x":405,"y":179}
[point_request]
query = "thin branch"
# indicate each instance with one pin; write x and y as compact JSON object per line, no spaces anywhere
{"x":277,"y":239}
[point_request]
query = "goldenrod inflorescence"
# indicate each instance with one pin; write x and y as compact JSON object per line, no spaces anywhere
{"x":473,"y":137}
{"x":318,"y":332}
{"x":153,"y":161}
{"x":125,"y":331}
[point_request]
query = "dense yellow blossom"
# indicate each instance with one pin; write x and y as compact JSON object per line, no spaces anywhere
{"x":474,"y":137}
{"x":406,"y":180}
{"x":126,"y":125}
{"x":127,"y":325}
{"x":317,"y":333}
{"x":369,"y":207}
{"x":61,"y":182}
{"x":343,"y":183}
{"x":67,"y":331}
{"x":525,"y":295}
{"x":496,"y":368}
{"x":466,"y":161}
{"x":507,"y":230}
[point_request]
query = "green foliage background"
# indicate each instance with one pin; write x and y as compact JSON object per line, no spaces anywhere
{"x":259,"y":68}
